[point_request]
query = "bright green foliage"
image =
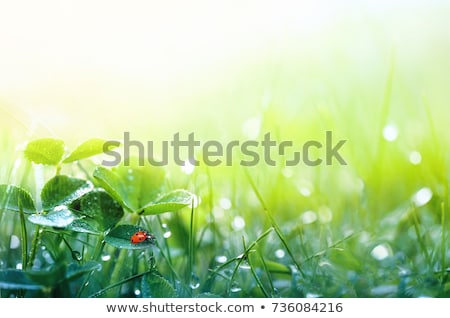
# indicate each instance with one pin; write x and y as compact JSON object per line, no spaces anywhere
{"x":168,"y":202}
{"x":140,"y":189}
{"x":156,"y":286}
{"x":97,"y":212}
{"x":58,"y":217}
{"x":63,"y":190}
{"x":47,"y":151}
{"x":14,"y":198}
{"x":89,"y":148}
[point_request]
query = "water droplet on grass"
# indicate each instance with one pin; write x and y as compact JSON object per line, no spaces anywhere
{"x":305,"y":187}
{"x":280,"y":253}
{"x":325,"y":214}
{"x":225,"y":203}
{"x":221,"y":259}
{"x":194,"y":283}
{"x":381,"y":252}
{"x":14,"y":242}
{"x":287,"y":172}
{"x":137,"y":292}
{"x":390,"y":132}
{"x":235,"y":288}
{"x":308,"y":217}
{"x":19,"y":266}
{"x":167,"y":232}
{"x":196,"y":200}
{"x":422,"y":197}
{"x":106,"y":257}
{"x":384,"y":290}
{"x":48,"y":257}
{"x":275,"y":293}
{"x":415,"y":157}
{"x":312,"y":295}
{"x":244,"y":265}
{"x":238,"y":223}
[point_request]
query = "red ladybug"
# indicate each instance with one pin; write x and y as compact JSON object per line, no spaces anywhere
{"x":141,"y":236}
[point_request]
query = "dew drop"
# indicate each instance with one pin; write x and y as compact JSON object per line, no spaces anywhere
{"x":195,"y":201}
{"x":14,"y":242}
{"x":305,"y":187}
{"x":306,"y":192}
{"x":19,"y":266}
{"x":276,"y":293}
{"x":37,"y":264}
{"x":423,"y":196}
{"x":390,"y":132}
{"x":106,"y":257}
{"x":238,"y":223}
{"x":225,"y":203}
{"x":415,"y":157}
{"x":384,"y":290}
{"x":325,"y":214}
{"x":221,"y":259}
{"x":308,"y":217}
{"x":235,"y":288}
{"x":381,"y":252}
{"x":77,"y":256}
{"x":312,"y":295}
{"x":167,"y":231}
{"x":287,"y":173}
{"x":194,"y":283}
{"x":137,"y":292}
{"x":244,"y":265}
{"x":280,"y":253}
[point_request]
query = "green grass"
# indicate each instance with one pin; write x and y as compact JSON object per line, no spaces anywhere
{"x":327,"y":231}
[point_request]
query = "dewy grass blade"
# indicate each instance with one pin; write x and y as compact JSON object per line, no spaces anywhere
{"x":191,"y":245}
{"x":420,"y":238}
{"x":255,"y":275}
{"x":443,"y":243}
{"x":274,"y":224}
{"x":24,"y":237}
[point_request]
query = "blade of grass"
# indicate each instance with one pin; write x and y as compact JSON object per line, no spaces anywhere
{"x":274,"y":223}
{"x":24,"y":237}
{"x":244,"y":256}
{"x":443,"y":244}
{"x":167,"y":258}
{"x":266,"y":270}
{"x":420,"y":239}
{"x":191,"y":248}
{"x":255,"y":276}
